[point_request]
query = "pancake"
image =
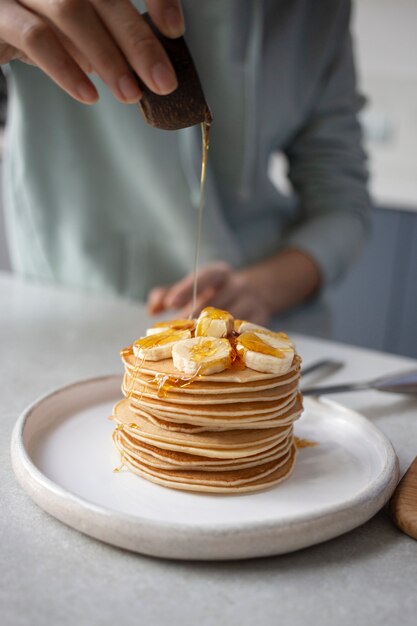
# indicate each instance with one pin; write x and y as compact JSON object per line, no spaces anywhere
{"x":233,"y":452}
{"x":141,"y":427}
{"x":224,"y":432}
{"x":195,"y":397}
{"x":181,"y":427}
{"x":171,"y":460}
{"x":267,"y":480}
{"x":229,"y":410}
{"x":220,"y":427}
{"x":286,"y":414}
{"x":230,"y":376}
{"x":195,"y":385}
{"x":221,"y":478}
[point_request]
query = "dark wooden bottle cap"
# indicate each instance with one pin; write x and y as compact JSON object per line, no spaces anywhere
{"x":186,"y":106}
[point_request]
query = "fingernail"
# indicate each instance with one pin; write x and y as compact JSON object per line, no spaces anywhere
{"x":87,"y":92}
{"x":174,"y":22}
{"x":129,"y":88}
{"x":164,"y":78}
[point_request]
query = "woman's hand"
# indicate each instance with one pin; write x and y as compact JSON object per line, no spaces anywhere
{"x":69,"y":38}
{"x":255,"y":293}
{"x":218,"y":285}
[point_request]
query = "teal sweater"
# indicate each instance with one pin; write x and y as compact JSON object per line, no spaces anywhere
{"x":97,"y":200}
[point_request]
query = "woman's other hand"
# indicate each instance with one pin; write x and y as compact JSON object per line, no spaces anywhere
{"x":218,"y":285}
{"x":255,"y":293}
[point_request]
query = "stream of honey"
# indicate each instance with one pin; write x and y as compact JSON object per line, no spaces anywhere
{"x":165,"y":382}
{"x":205,"y":131}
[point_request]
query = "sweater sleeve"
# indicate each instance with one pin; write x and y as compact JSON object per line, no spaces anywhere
{"x":327,"y":167}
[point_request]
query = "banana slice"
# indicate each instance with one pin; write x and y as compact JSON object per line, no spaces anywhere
{"x":242,"y":326}
{"x":181,"y":324}
{"x":159,"y":345}
{"x":214,"y":323}
{"x":202,"y":355}
{"x":265,"y":353}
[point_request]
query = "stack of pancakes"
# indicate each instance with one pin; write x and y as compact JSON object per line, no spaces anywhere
{"x":226,"y":432}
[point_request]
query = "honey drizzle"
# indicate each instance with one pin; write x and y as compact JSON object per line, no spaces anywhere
{"x":180,"y":324}
{"x":205,"y":130}
{"x":165,"y":382}
{"x":160,"y":339}
{"x":122,"y":464}
{"x":135,"y":370}
{"x":237,"y":362}
{"x":147,"y":342}
{"x":251,"y":341}
{"x":119,"y":468}
{"x":304,"y":443}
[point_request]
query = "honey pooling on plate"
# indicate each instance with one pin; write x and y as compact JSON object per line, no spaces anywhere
{"x":304,"y":443}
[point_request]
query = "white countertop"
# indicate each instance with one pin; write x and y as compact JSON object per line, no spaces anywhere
{"x":54,"y":575}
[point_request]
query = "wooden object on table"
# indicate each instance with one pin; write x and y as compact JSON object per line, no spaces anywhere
{"x":403,"y":503}
{"x":186,"y":106}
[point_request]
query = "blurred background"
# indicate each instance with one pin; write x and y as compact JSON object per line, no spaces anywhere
{"x":376,"y":305}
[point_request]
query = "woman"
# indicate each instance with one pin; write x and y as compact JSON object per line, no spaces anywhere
{"x":100,"y":201}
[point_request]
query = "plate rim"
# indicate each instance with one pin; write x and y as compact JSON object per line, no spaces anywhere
{"x":32,"y":479}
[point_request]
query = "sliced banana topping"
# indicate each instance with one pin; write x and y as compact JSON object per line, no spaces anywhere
{"x":159,"y":345}
{"x":181,"y":324}
{"x":248,"y":327}
{"x":265,"y":353}
{"x":214,"y":323}
{"x":243,"y":326}
{"x":202,"y":355}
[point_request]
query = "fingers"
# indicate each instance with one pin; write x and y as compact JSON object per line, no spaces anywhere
{"x":79,"y":23}
{"x":179,"y":296}
{"x":218,"y":286}
{"x":168,"y":16}
{"x":213,"y":275}
{"x":247,"y":307}
{"x":32,"y":34}
{"x":109,"y":35}
{"x":138,"y":44}
{"x":73,"y":51}
{"x":202,"y":300}
{"x":156,"y":300}
{"x":229,"y":293}
{"x":241,"y":301}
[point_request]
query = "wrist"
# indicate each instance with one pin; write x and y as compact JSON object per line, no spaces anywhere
{"x":254,"y":278}
{"x":285,"y":280}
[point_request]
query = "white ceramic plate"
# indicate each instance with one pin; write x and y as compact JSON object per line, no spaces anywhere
{"x":63,"y":457}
